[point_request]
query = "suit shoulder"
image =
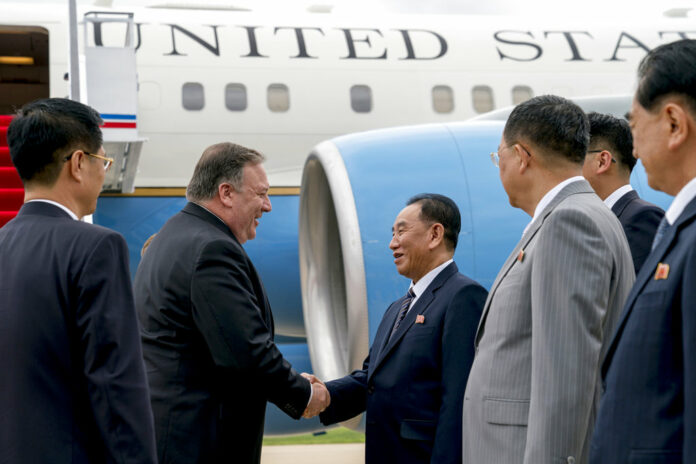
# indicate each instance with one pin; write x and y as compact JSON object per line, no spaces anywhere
{"x":463,"y":286}
{"x":91,"y":233}
{"x":640,"y":207}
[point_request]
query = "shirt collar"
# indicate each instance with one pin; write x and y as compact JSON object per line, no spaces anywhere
{"x":611,"y":200}
{"x":683,"y":198}
{"x":64,"y":208}
{"x":548,"y":198}
{"x":420,"y":286}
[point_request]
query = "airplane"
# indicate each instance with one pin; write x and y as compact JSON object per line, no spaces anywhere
{"x":285,"y":84}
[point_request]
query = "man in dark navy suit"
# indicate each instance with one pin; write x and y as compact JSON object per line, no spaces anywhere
{"x":412,"y":382}
{"x":72,"y":382}
{"x":608,"y":165}
{"x":207,"y":326}
{"x":648,"y":409}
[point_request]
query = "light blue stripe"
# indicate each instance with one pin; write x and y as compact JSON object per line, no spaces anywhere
{"x":118,"y":116}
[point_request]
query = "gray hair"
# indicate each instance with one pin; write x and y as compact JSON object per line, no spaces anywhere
{"x":220,"y":163}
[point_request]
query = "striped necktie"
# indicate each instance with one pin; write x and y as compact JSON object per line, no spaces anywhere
{"x":661,"y":229}
{"x":402,"y":312}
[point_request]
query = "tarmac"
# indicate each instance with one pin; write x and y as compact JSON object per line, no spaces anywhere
{"x":347,"y":453}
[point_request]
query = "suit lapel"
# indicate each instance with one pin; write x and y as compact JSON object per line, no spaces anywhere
{"x":647,"y":273}
{"x":420,"y":307}
{"x":570,"y":189}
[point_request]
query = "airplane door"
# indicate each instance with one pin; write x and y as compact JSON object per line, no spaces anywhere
{"x":24,"y":68}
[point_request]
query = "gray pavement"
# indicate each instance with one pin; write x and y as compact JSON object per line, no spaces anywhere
{"x":349,"y":453}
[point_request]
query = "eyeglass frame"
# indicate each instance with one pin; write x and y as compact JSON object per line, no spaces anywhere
{"x":495,"y":157}
{"x":108,"y":162}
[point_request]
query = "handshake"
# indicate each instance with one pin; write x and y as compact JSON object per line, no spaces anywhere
{"x":320,"y":397}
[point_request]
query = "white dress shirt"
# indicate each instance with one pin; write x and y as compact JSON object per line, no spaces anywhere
{"x":64,"y":208}
{"x":420,"y":286}
{"x":683,"y":198}
{"x":546,"y":199}
{"x":617,"y":194}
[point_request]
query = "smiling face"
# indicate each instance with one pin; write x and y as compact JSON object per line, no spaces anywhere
{"x":410,"y":243}
{"x":249,"y":203}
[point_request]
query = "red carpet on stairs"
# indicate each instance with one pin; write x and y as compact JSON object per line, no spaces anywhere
{"x":11,"y":189}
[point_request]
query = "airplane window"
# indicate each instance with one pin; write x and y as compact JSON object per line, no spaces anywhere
{"x":521,"y":93}
{"x":235,"y":97}
{"x":192,"y":96}
{"x":443,"y":99}
{"x":361,"y":98}
{"x":278,"y":98}
{"x":482,"y":98}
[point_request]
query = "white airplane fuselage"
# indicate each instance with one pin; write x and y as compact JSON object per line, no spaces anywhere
{"x":472,"y":62}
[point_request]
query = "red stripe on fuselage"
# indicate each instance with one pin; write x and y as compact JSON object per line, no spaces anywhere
{"x":119,"y":125}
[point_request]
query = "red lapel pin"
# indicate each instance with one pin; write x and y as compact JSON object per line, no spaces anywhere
{"x":662,"y":271}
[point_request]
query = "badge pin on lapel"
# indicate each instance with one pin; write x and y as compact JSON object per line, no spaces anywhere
{"x":520,"y":256}
{"x":662,"y":271}
{"x":420,"y":319}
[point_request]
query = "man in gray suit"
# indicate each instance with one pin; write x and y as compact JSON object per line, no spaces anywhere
{"x":534,"y":386}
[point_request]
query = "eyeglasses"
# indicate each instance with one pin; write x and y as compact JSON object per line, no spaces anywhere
{"x":107,"y":161}
{"x":600,"y":151}
{"x":495,"y":157}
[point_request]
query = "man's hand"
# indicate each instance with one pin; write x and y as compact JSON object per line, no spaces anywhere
{"x":320,"y":397}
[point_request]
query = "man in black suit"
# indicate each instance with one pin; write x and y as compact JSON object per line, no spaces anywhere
{"x":608,"y":165}
{"x":648,"y":409}
{"x":207,"y":327}
{"x":73,"y":385}
{"x":412,"y":382}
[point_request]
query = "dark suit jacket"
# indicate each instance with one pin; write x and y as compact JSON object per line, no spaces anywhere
{"x":412,"y":388}
{"x":72,"y":388}
{"x":207,"y":333}
{"x":639,"y":219}
{"x":648,"y":410}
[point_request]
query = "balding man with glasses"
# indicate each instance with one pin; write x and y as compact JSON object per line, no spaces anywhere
{"x":73,"y":385}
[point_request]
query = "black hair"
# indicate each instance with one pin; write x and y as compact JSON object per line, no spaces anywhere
{"x":45,"y":131}
{"x":436,"y":208}
{"x":669,"y":69}
{"x":550,"y":122}
{"x":613,"y":134}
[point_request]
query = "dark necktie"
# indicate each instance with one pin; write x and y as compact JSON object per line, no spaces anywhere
{"x":402,"y":312}
{"x":661,"y":229}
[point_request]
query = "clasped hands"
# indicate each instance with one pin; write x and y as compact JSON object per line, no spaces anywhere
{"x":320,"y":397}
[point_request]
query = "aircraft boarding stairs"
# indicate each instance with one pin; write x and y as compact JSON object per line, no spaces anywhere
{"x":11,"y":189}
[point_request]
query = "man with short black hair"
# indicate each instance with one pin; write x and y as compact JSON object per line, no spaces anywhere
{"x":73,"y":386}
{"x":412,"y":382}
{"x":533,"y":390}
{"x":207,"y":326}
{"x":607,"y":168}
{"x":648,"y":409}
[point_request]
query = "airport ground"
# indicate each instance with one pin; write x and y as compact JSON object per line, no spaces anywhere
{"x":337,"y":446}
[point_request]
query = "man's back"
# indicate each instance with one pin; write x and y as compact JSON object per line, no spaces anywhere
{"x":639,"y":219}
{"x":73,"y":383}
{"x":533,"y":390}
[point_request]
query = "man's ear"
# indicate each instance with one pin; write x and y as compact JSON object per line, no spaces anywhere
{"x":76,"y":165}
{"x":523,"y":157}
{"x":604,"y":158}
{"x":226,"y":193}
{"x":678,"y":120}
{"x":436,"y":235}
